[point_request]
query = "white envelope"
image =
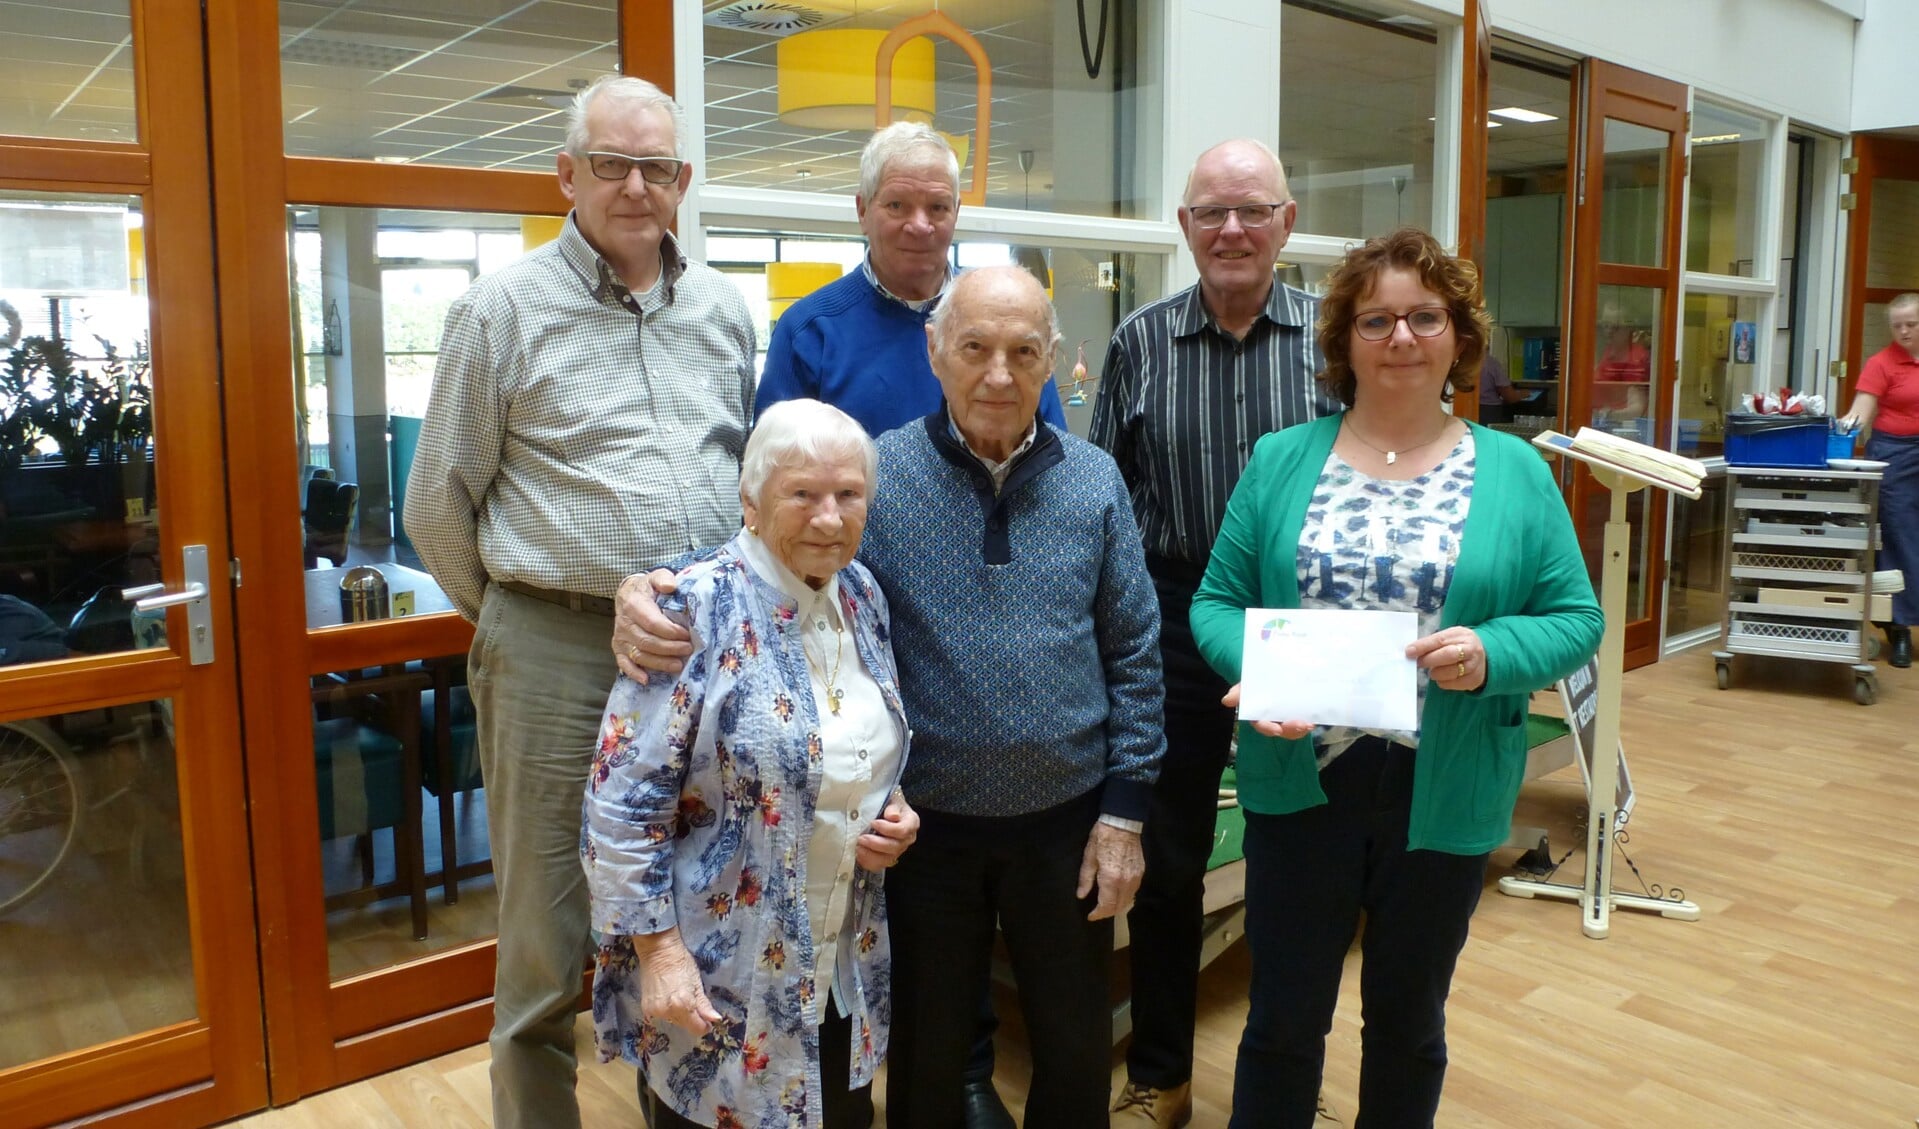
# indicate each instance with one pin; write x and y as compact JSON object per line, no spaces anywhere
{"x":1330,"y":667}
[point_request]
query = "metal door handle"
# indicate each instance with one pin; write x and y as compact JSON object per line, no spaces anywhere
{"x":149,"y":597}
{"x":192,"y":595}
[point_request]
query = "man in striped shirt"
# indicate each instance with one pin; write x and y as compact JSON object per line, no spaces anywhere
{"x":588,"y":413}
{"x":1190,"y":384}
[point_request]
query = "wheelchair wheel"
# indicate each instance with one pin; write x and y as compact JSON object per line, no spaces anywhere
{"x":39,"y":809}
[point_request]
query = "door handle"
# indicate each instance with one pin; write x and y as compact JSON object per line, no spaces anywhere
{"x":192,"y":596}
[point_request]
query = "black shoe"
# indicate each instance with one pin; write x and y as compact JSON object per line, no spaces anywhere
{"x":1901,"y":638}
{"x":984,"y":1109}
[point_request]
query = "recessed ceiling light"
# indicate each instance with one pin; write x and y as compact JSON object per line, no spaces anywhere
{"x":1717,"y":138}
{"x":390,"y":160}
{"x":1494,"y":125}
{"x":1522,"y":114}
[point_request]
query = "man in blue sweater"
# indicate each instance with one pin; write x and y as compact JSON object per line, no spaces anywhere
{"x":1026,"y":631}
{"x":859,"y":343}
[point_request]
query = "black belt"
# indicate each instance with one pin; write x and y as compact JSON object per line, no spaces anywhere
{"x":571,"y":601}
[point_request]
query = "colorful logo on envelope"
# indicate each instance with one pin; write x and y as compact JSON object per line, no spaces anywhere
{"x":1271,"y":628}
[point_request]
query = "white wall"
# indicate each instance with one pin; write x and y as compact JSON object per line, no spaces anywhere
{"x":1883,"y":93}
{"x":1792,"y":57}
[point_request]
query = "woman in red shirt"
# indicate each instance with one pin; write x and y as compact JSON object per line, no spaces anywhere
{"x":1887,"y":400}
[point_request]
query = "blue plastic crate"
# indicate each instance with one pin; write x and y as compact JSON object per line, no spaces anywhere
{"x":1839,"y":444}
{"x":1775,"y":441}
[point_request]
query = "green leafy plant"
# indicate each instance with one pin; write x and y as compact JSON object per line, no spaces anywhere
{"x":103,"y":412}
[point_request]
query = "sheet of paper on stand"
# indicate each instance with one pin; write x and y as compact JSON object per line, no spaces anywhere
{"x":1330,"y":667}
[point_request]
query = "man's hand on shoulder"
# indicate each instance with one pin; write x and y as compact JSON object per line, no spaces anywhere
{"x":644,"y":638}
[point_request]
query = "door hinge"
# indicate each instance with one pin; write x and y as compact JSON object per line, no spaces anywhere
{"x":1848,"y":201}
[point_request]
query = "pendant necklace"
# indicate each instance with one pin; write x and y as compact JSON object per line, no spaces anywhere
{"x":1393,"y":456}
{"x":828,"y":678}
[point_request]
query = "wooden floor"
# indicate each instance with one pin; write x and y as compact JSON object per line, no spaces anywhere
{"x":1790,"y":814}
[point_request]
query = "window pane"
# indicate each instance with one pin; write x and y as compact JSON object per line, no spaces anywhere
{"x":93,"y":887}
{"x":1632,"y":224}
{"x":372,"y":288}
{"x":400,"y":801}
{"x":1892,"y":246}
{"x":69,"y":70}
{"x":1728,"y":177}
{"x":1355,"y":118}
{"x":77,"y":520}
{"x":413,"y":80}
{"x":791,"y":110}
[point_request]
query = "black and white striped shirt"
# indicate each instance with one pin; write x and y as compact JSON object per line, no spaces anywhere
{"x":1181,"y":403}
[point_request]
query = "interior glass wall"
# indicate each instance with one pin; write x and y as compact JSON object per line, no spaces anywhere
{"x":1356,"y":116}
{"x":419,"y":81}
{"x":1525,"y":259}
{"x":1724,"y":201}
{"x":69,"y":70}
{"x":1072,"y":128}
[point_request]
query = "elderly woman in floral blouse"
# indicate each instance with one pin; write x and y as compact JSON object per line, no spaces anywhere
{"x":739,"y":817}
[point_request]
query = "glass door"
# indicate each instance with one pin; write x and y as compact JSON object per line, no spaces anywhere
{"x":126,"y":913}
{"x":1629,"y":161}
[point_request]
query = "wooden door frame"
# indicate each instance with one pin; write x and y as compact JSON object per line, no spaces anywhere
{"x":1474,"y":95}
{"x":1895,"y":158}
{"x":1607,"y":90}
{"x":322,"y":1033}
{"x":209,"y":1068}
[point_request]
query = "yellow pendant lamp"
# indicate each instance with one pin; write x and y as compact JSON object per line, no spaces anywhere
{"x":827,"y":79}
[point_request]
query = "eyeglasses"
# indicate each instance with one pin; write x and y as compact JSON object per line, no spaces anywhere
{"x":619,"y":166}
{"x":1210,"y":216}
{"x":1426,"y":321}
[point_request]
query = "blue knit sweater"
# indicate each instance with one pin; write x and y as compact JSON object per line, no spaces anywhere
{"x":1024,"y":625}
{"x":863,"y":353}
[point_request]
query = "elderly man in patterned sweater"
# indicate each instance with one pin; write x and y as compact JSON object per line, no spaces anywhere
{"x":1026,"y":633}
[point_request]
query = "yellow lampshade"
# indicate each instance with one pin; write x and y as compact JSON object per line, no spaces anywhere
{"x":827,"y":79}
{"x":787,"y":283}
{"x":960,"y":142}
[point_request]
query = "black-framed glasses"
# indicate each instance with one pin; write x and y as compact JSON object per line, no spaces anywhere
{"x":1426,"y":321}
{"x":1210,"y":216}
{"x":619,"y":166}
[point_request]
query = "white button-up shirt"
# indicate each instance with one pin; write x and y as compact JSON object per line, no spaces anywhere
{"x":859,"y":755}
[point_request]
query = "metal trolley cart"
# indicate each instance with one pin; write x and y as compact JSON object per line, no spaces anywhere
{"x":1799,"y":548}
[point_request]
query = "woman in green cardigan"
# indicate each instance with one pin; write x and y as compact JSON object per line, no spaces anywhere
{"x":1392,"y":505}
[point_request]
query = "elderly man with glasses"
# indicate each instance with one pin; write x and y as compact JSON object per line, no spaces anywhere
{"x":1190,"y":383}
{"x":589,"y":410}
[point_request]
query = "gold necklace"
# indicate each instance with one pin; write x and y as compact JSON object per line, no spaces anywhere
{"x":833,"y":694}
{"x":1393,"y":456}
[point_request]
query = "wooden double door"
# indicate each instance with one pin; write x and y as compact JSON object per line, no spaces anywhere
{"x":242,"y":843}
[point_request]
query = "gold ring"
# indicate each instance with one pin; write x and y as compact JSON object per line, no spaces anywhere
{"x":633,"y":653}
{"x":1462,"y":671}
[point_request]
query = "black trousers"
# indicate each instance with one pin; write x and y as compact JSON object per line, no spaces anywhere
{"x":1899,"y":517}
{"x":1308,"y":876}
{"x":845,"y":1109}
{"x":943,"y":898}
{"x":1166,"y":921}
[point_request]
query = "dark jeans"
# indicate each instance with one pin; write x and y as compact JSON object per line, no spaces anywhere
{"x":1308,"y":876}
{"x":1168,"y":915}
{"x":845,"y":1109}
{"x":1899,"y":517}
{"x":943,"y":899}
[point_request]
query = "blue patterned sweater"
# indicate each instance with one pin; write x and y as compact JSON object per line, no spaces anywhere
{"x":1024,"y":625}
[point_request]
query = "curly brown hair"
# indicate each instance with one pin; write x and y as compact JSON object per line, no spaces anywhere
{"x":1454,"y":279}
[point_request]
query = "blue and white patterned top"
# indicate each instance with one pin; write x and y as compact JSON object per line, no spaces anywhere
{"x":698,"y":816}
{"x":1383,"y":545}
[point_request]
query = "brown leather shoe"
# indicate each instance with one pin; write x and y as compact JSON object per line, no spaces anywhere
{"x":1139,"y":1106}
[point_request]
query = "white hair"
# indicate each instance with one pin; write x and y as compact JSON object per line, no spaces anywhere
{"x":936,"y":322}
{"x":795,"y":433}
{"x":632,"y":94}
{"x":900,"y":140}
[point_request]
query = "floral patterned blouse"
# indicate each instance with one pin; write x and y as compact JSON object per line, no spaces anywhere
{"x":698,"y":816}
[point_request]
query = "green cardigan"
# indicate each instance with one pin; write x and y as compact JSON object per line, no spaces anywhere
{"x":1520,"y":582}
